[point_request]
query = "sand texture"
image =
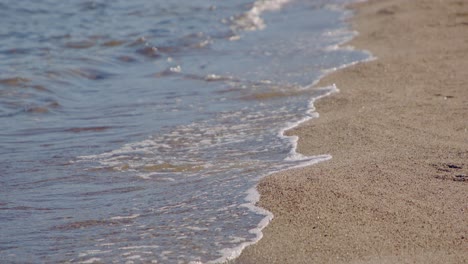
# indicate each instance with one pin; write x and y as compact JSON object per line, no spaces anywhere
{"x":396,"y":190}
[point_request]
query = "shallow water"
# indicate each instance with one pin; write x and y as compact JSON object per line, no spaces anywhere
{"x":134,"y":131}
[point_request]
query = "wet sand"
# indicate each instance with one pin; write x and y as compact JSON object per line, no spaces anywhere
{"x":396,"y":190}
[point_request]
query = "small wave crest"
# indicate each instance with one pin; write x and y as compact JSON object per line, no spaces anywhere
{"x":252,"y":19}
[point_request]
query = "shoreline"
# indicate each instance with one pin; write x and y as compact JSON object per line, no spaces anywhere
{"x":396,"y":187}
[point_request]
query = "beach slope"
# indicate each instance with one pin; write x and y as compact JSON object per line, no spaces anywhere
{"x":396,"y":190}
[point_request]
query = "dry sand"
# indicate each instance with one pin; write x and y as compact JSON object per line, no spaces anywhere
{"x":396,"y":190}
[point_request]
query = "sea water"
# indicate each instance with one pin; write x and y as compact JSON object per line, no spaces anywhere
{"x":136,"y":131}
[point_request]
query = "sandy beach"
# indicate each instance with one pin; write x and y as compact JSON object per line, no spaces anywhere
{"x":396,"y":189}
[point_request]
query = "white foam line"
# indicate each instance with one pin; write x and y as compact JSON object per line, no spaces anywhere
{"x":253,"y":196}
{"x":310,"y":114}
{"x":125,"y":217}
